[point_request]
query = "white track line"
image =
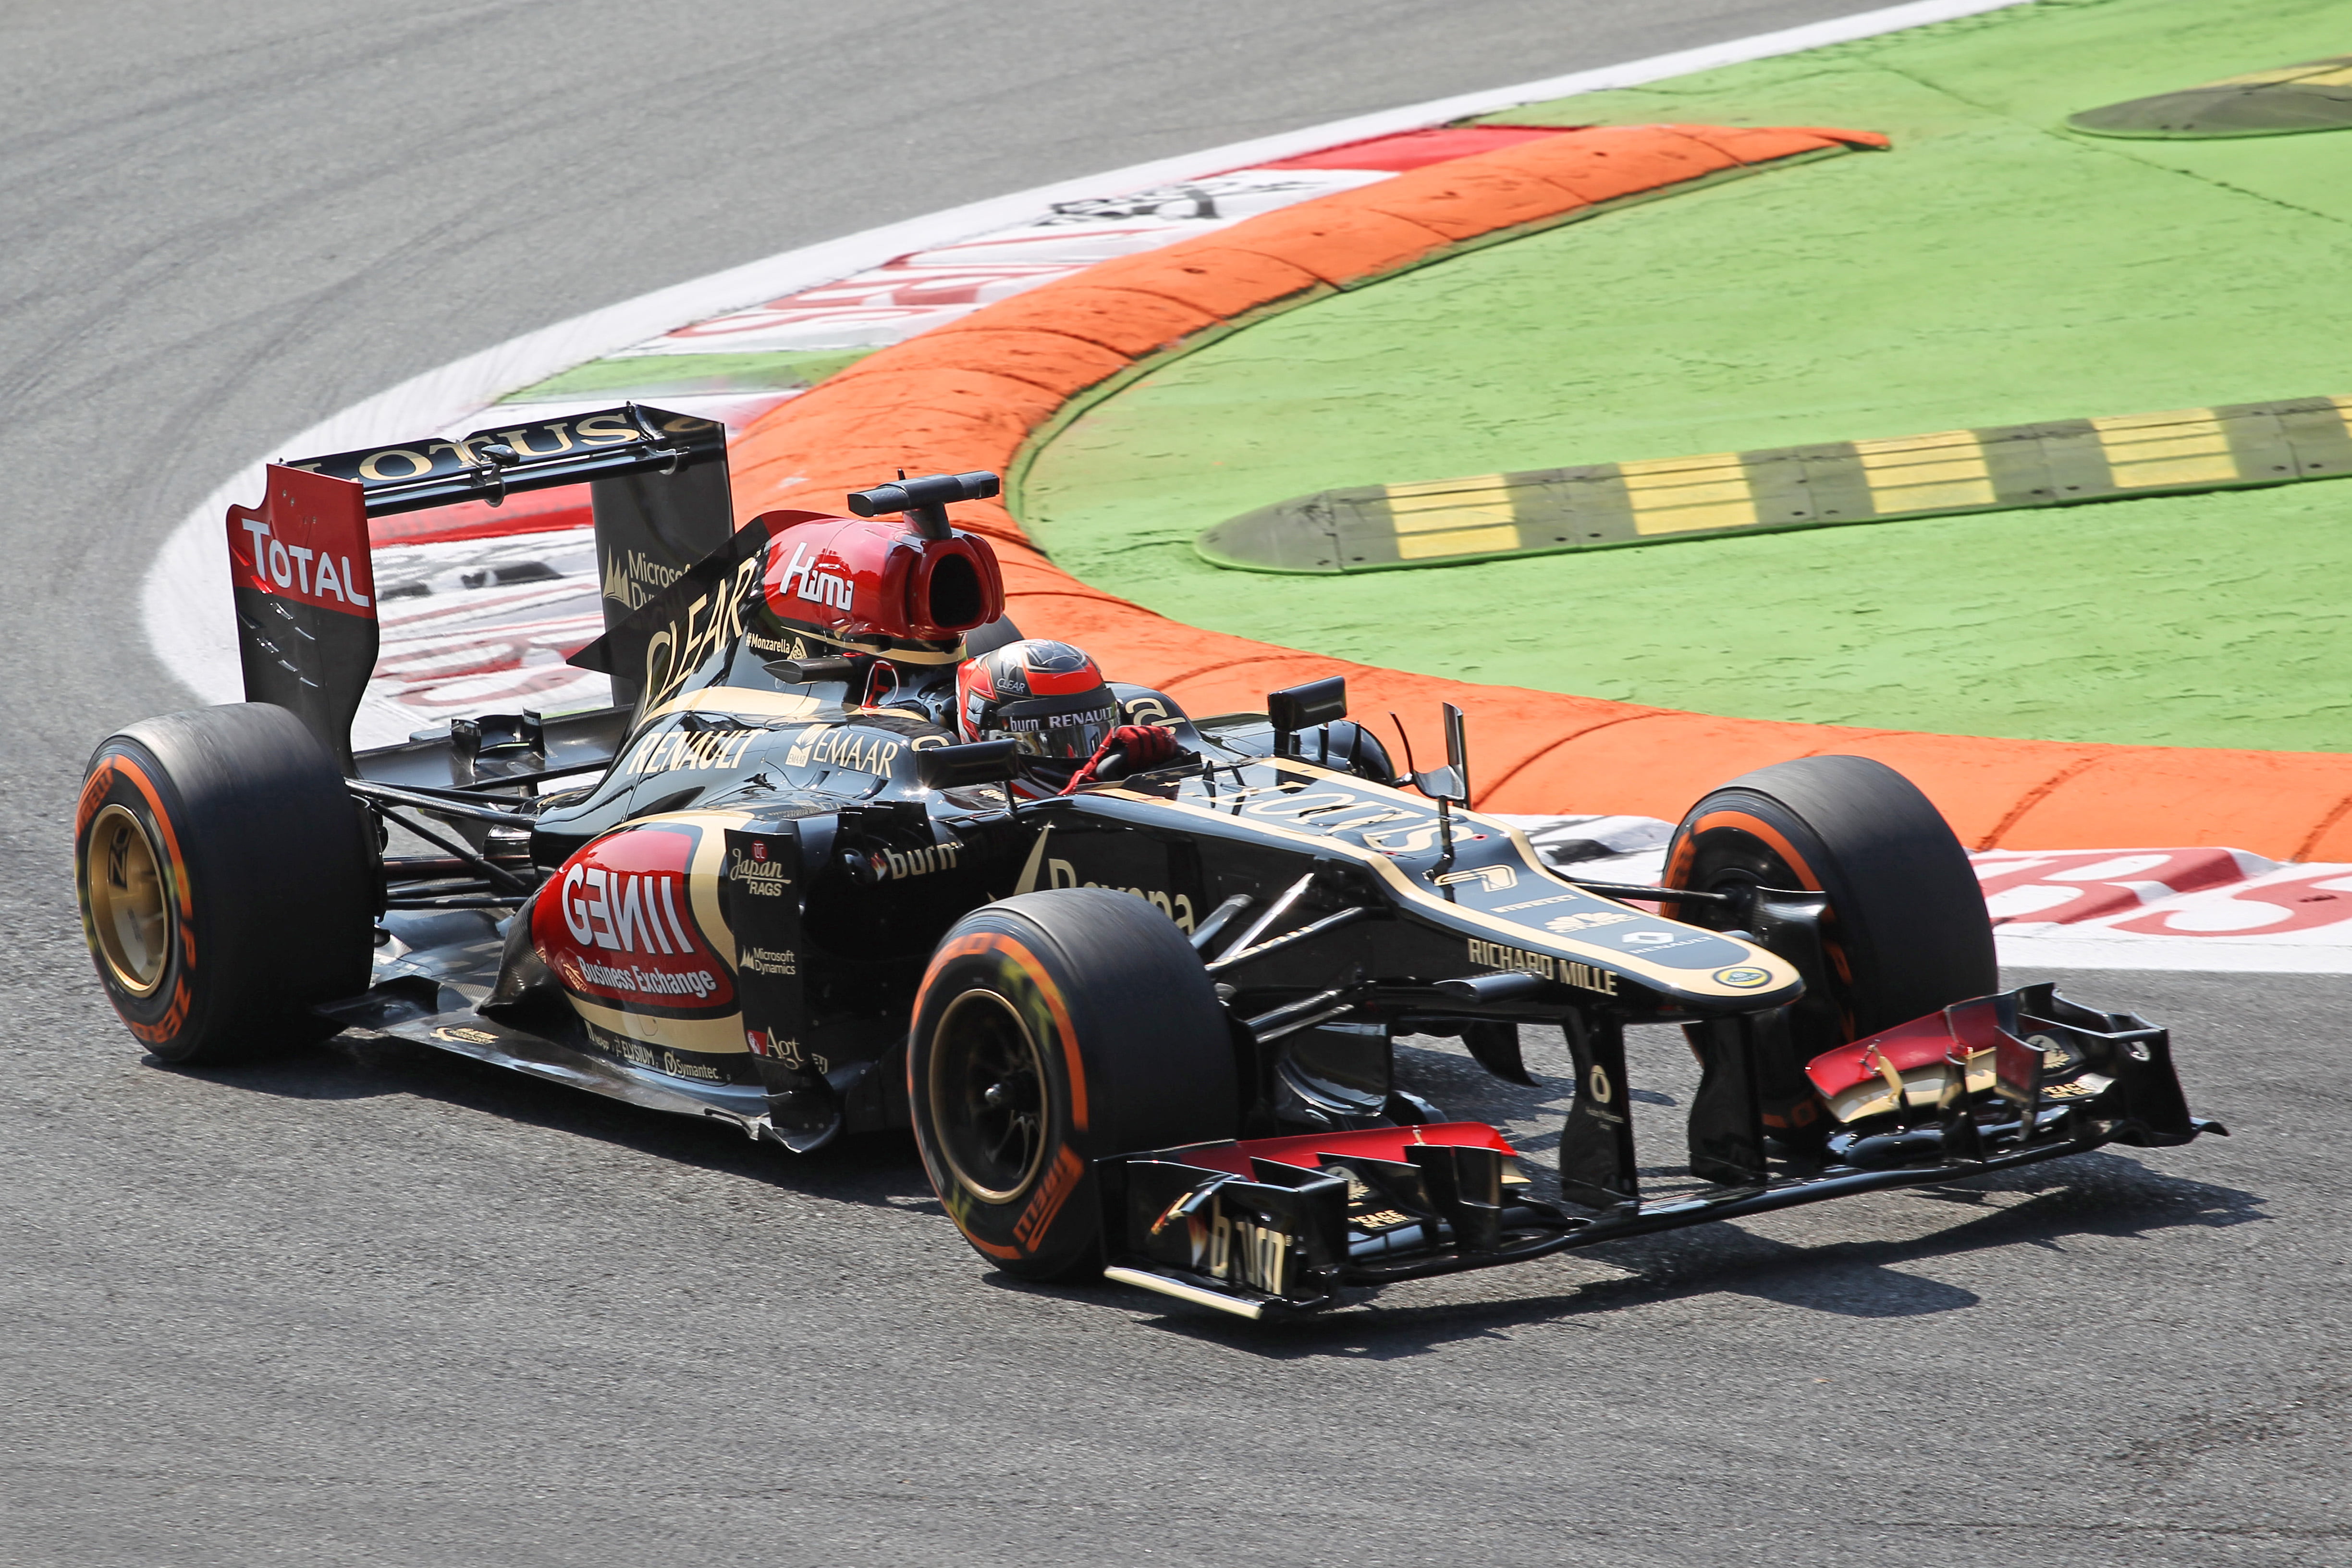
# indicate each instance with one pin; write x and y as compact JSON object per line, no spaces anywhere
{"x":186,"y":598}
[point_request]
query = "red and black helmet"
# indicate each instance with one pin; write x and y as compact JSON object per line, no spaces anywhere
{"x":1046,"y":697}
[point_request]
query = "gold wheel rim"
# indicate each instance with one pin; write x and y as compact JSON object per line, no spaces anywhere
{"x":129,"y":912}
{"x":983,"y":1036}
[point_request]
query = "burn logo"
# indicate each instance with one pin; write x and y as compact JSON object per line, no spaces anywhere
{"x":898,"y":866}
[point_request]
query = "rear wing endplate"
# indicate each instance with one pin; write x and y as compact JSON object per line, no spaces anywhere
{"x":304,"y":581}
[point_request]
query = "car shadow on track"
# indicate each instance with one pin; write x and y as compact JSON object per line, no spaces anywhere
{"x":878,"y":1169}
{"x":2097,"y":1195}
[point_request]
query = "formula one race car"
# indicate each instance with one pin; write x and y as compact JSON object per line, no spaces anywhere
{"x":820,"y":871}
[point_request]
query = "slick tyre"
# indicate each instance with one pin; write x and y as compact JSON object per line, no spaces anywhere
{"x":227,"y":882}
{"x":1052,"y":1030}
{"x":1905,"y":932}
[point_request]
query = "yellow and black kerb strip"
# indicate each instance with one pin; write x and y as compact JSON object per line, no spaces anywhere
{"x":1543,"y":512}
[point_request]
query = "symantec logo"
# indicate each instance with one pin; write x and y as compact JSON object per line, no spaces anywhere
{"x":307,"y":542}
{"x":618,"y":926}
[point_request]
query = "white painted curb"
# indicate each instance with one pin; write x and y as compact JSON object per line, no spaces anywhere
{"x":186,"y":598}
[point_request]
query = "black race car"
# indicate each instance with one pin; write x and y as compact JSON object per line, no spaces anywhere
{"x":1140,"y":1015}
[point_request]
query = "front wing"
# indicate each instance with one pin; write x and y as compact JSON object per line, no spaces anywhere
{"x":1283,"y":1225}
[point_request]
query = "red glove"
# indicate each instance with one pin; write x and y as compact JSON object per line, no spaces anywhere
{"x":1145,"y":746}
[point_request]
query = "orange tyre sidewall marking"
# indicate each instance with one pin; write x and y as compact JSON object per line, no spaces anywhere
{"x":1046,"y":1201}
{"x":1755,"y":828}
{"x":93,"y":796}
{"x":93,"y":793}
{"x":1046,"y":1204}
{"x":1010,"y":948}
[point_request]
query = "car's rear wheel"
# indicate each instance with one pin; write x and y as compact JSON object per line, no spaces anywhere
{"x":227,"y":880}
{"x":1904,"y":932}
{"x":1052,"y":1030}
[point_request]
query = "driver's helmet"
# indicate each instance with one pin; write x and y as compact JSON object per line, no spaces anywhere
{"x":1045,"y":696}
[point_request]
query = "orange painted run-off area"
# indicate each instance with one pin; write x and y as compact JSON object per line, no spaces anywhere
{"x":970,"y":395}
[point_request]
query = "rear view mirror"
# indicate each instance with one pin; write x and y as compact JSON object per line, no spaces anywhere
{"x":1451,"y":782}
{"x":804,"y":671}
{"x":1297,"y":707}
{"x":978,"y":762}
{"x":1441,"y":784}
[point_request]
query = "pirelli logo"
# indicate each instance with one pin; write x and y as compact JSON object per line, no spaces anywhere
{"x":1060,"y":1182}
{"x":1545,"y":511}
{"x":1566,"y":972}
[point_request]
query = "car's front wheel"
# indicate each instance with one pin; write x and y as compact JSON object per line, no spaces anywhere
{"x":1052,"y":1030}
{"x":1905,"y":932}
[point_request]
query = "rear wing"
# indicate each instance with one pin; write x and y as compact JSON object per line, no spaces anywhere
{"x":304,"y":581}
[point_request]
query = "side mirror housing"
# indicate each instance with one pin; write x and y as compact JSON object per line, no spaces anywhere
{"x":804,"y":671}
{"x":976,"y":762}
{"x":1297,"y":707}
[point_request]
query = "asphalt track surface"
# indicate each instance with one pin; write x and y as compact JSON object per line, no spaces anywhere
{"x":371,"y":1305}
